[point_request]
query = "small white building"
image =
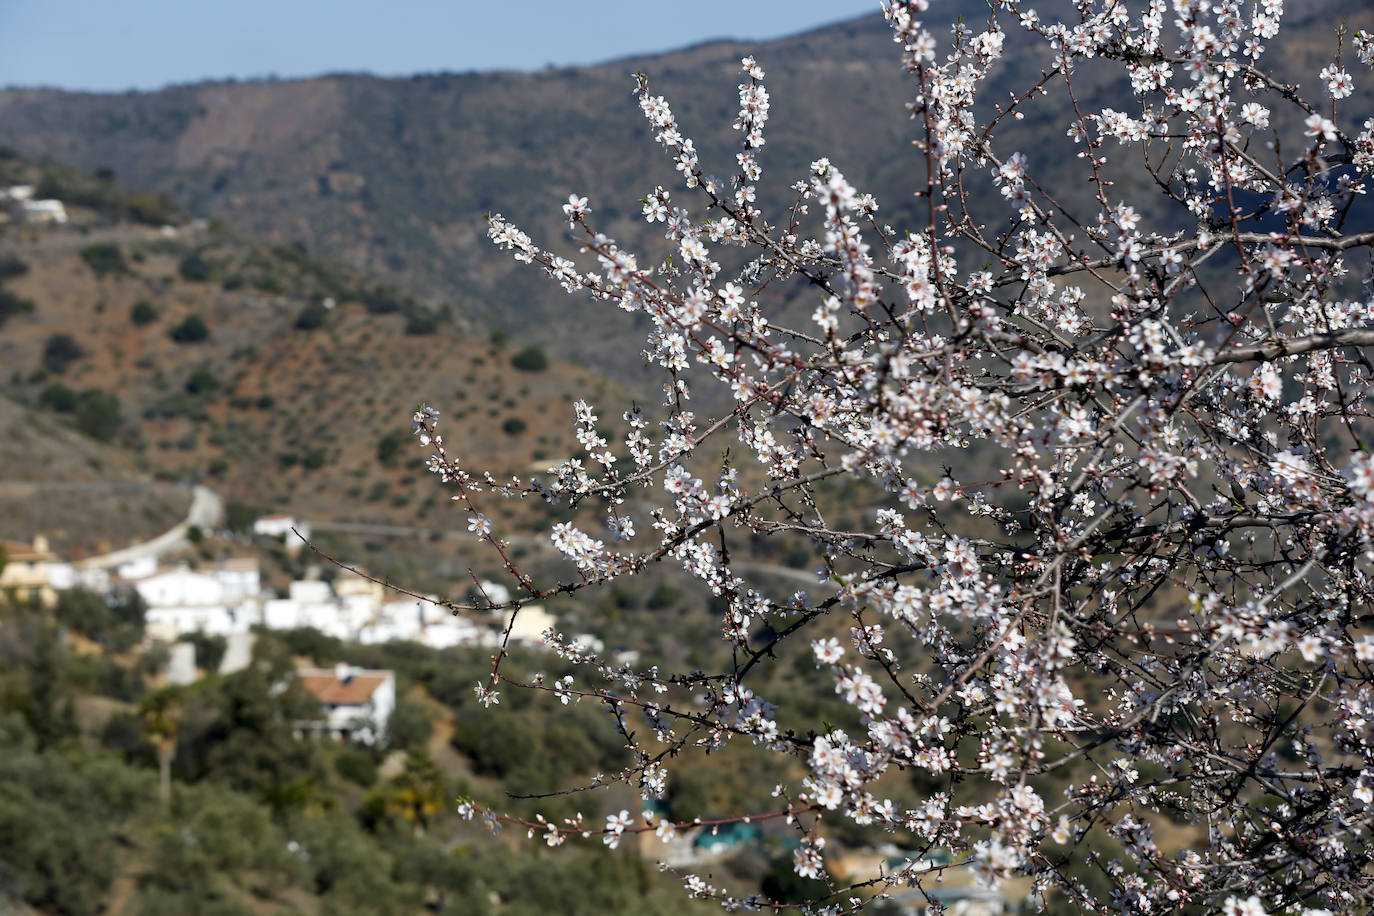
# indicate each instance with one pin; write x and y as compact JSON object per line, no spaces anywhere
{"x":38,"y":211}
{"x":280,"y":526}
{"x":357,"y":702}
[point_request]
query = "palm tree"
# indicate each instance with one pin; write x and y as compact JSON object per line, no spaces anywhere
{"x":161,"y":714}
{"x":418,"y":791}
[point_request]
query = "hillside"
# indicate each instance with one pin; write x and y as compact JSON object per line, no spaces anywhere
{"x":284,"y":382}
{"x":393,"y":175}
{"x":82,"y":495}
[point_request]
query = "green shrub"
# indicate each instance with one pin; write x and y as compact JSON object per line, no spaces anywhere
{"x":209,"y":649}
{"x":104,"y":258}
{"x":409,"y":726}
{"x":514,"y":426}
{"x":192,"y":330}
{"x":153,"y":209}
{"x":98,"y":415}
{"x":311,"y":317}
{"x":238,"y":517}
{"x":143,"y":313}
{"x":195,"y":269}
{"x":12,"y":266}
{"x":356,"y":766}
{"x":11,"y":305}
{"x":313,"y":460}
{"x":59,"y":397}
{"x":421,"y":323}
{"x":61,"y":351}
{"x":202,"y":381}
{"x":530,"y":359}
{"x":382,"y":301}
{"x":389,"y":447}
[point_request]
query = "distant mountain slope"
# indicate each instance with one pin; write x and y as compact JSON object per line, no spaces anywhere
{"x":83,"y":496}
{"x":393,"y":175}
{"x":284,"y":382}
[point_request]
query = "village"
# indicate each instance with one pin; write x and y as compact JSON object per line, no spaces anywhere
{"x":226,"y":598}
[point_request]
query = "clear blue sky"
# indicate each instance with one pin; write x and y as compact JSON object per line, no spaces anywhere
{"x":113,"y":45}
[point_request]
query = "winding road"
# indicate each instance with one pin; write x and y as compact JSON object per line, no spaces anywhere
{"x":205,"y":512}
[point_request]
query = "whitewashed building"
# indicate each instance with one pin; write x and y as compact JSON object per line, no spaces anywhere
{"x":280,"y":526}
{"x":357,"y":702}
{"x":219,"y":602}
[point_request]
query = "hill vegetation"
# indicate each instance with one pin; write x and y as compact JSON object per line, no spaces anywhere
{"x":283,"y":381}
{"x":394,"y":175}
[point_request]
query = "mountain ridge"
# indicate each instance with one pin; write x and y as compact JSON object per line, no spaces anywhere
{"x":392,"y":174}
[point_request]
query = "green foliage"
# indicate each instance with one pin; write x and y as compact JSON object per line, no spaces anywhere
{"x":530,"y":359}
{"x":419,"y":323}
{"x":209,"y":649}
{"x":314,"y":459}
{"x":192,"y":329}
{"x":249,"y":826}
{"x":311,"y":317}
{"x":59,"y":398}
{"x":239,"y":517}
{"x":784,"y":885}
{"x":410,"y":725}
{"x":55,"y":818}
{"x":143,"y":313}
{"x":97,"y":414}
{"x":236,"y":734}
{"x":152,"y":209}
{"x":216,"y":842}
{"x":60,"y":351}
{"x":104,"y":258}
{"x":115,"y":623}
{"x":514,"y":426}
{"x":663,"y":596}
{"x":382,"y":300}
{"x":389,"y":447}
{"x":11,"y":265}
{"x":345,"y":869}
{"x":12,"y":304}
{"x":357,"y":766}
{"x":202,"y":381}
{"x":105,"y":196}
{"x":195,"y":269}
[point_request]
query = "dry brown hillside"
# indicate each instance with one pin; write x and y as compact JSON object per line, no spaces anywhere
{"x":284,"y":383}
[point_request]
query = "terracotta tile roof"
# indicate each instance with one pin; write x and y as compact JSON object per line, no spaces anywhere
{"x":22,"y":552}
{"x":325,"y":684}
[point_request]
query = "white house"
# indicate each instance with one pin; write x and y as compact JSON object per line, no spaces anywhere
{"x":357,"y":702}
{"x":219,"y":602}
{"x":38,"y":211}
{"x":279,"y":526}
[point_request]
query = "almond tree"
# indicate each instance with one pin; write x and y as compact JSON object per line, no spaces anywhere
{"x":1117,"y":571}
